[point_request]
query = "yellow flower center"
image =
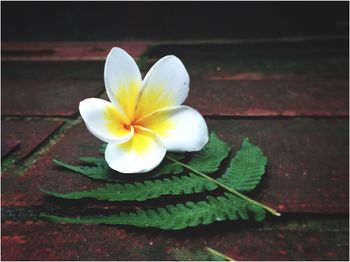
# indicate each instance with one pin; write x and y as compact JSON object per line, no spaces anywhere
{"x":139,"y":111}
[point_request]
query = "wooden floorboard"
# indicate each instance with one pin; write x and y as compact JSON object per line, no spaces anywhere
{"x":291,"y":98}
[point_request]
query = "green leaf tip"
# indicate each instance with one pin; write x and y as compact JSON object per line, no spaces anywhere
{"x":246,"y":168}
{"x":97,"y":168}
{"x":58,"y":162}
{"x":102,"y":148}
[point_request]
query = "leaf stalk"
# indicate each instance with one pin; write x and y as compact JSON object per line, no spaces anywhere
{"x":231,"y":190}
{"x":217,"y":253}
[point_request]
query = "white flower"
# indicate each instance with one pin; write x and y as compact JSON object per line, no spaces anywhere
{"x":144,"y":118}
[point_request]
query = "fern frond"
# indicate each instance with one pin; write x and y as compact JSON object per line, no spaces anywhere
{"x":246,"y":168}
{"x":140,"y":191}
{"x":102,"y":148}
{"x":167,"y":167}
{"x":208,"y":160}
{"x":243,"y":174}
{"x":175,"y":217}
{"x":97,"y":168}
{"x":98,"y":161}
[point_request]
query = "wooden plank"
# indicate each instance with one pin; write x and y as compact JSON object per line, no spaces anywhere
{"x":95,"y":242}
{"x":244,"y":79}
{"x":240,"y":95}
{"x":46,"y":98}
{"x":307,"y":170}
{"x":283,"y":96}
{"x":29,"y":134}
{"x":53,"y":88}
{"x":52,"y":71}
{"x":8,"y":146}
{"x":307,"y":78}
{"x":68,"y":51}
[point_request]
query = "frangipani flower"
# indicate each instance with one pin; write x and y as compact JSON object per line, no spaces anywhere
{"x":144,"y":118}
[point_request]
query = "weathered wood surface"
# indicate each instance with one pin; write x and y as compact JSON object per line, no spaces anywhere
{"x":266,"y":79}
{"x":68,"y":51}
{"x":28,"y":135}
{"x":47,"y":88}
{"x":300,"y":79}
{"x":45,"y":241}
{"x":291,"y":99}
{"x":313,"y":180}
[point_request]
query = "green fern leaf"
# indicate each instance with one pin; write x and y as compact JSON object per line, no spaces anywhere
{"x":208,"y":160}
{"x":103,"y":148}
{"x":146,"y":190}
{"x":97,"y":168}
{"x":175,"y":217}
{"x":167,"y":167}
{"x":98,"y":161}
{"x":246,"y":168}
{"x":177,"y":156}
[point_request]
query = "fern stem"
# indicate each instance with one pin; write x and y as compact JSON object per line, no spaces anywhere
{"x":217,"y":253}
{"x":231,"y":190}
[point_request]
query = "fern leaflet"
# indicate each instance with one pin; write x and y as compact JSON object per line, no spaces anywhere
{"x":97,"y":168}
{"x":140,"y":191}
{"x":208,"y":160}
{"x":175,"y":217}
{"x":246,"y":168}
{"x":146,"y":190}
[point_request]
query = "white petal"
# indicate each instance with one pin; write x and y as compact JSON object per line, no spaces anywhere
{"x":165,"y":85}
{"x":104,"y":121}
{"x":123,"y":80}
{"x":143,"y":152}
{"x":181,"y":128}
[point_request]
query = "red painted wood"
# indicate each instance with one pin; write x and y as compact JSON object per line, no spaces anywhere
{"x":226,"y":80}
{"x":76,"y":143}
{"x":9,"y":145}
{"x":65,"y":51}
{"x":265,"y":79}
{"x":283,"y":96}
{"x":46,"y":98}
{"x":48,"y":241}
{"x":53,"y":71}
{"x":307,"y":169}
{"x":29,"y":134}
{"x":292,"y":96}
